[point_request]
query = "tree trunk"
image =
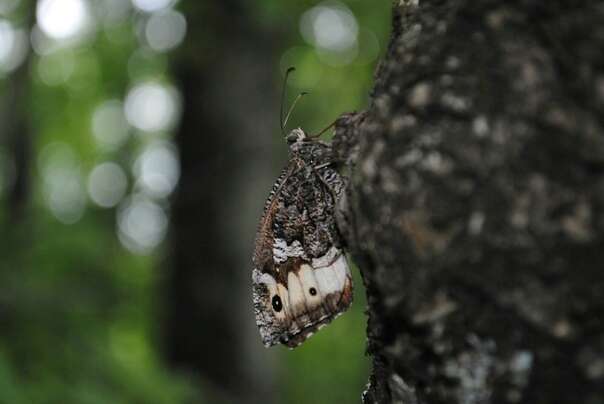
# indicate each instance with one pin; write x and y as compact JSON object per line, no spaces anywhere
{"x":15,"y":135}
{"x":225,"y":65}
{"x":476,"y":204}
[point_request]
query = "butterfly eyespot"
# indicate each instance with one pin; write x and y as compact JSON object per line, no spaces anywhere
{"x":312,"y":291}
{"x":277,"y":305}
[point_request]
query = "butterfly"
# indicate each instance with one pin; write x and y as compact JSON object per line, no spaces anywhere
{"x":301,"y":279}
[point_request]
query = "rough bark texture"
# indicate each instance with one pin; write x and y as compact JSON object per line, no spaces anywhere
{"x":477,"y":204}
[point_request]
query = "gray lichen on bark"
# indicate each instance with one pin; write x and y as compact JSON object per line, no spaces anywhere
{"x":476,"y":204}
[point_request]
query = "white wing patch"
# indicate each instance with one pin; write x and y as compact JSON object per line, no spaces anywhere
{"x":326,"y":259}
{"x":296,"y":294}
{"x":332,"y":278}
{"x":261,"y":277}
{"x":340,"y":268}
{"x":282,"y":251}
{"x":309,"y":283}
{"x":328,"y":283}
{"x":284,"y":294}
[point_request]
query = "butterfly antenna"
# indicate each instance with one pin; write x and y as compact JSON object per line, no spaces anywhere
{"x":302,"y":94}
{"x":282,"y":124}
{"x":283,"y":120}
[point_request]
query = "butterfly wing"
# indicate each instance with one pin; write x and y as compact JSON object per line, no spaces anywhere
{"x":301,"y":280}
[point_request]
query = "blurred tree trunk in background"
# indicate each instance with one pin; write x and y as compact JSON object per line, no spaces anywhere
{"x":478,"y":204}
{"x":15,"y":136}
{"x":225,"y":71}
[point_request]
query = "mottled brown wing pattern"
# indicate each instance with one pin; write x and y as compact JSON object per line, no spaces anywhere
{"x":301,"y":280}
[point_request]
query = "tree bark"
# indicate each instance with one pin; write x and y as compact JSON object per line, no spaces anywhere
{"x":476,"y":204}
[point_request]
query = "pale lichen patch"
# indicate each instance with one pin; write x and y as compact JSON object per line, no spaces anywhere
{"x":455,"y":102}
{"x":452,"y":62}
{"x":476,"y":222}
{"x":480,"y":126}
{"x":420,"y":95}
{"x":472,"y":370}
{"x":577,"y":225}
{"x":402,"y":122}
{"x":436,"y":163}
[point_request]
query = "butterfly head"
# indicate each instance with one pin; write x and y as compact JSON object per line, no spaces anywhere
{"x":295,"y":136}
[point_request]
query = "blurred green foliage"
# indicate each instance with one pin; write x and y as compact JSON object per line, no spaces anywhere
{"x":78,"y":310}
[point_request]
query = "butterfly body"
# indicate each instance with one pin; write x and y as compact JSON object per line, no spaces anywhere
{"x":301,"y":280}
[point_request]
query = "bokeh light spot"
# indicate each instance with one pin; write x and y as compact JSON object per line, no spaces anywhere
{"x":142,"y":224}
{"x":63,"y":187}
{"x":107,"y":184}
{"x":157,"y":169}
{"x":13,"y":46}
{"x":7,"y":38}
{"x":152,"y":106}
{"x":56,"y":68}
{"x":109,"y":125}
{"x":165,"y":30}
{"x":115,"y":11}
{"x":63,"y":19}
{"x":152,"y":5}
{"x":330,"y":26}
